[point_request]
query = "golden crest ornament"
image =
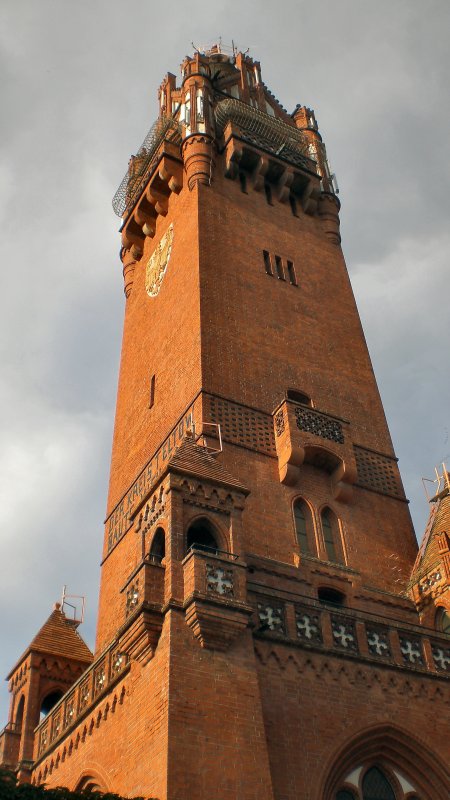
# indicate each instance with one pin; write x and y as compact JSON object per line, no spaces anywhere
{"x":157,"y":263}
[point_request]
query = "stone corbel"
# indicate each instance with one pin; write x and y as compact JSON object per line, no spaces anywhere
{"x":157,"y":199}
{"x":283,"y":188}
{"x":172,"y":173}
{"x":132,"y":236}
{"x":259,"y":173}
{"x":310,"y":198}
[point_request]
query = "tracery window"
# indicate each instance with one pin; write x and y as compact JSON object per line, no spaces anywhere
{"x":375,"y":786}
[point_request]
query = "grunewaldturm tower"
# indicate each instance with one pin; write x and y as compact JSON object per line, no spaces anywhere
{"x":261,"y":632}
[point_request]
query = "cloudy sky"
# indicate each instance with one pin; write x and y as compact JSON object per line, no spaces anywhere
{"x":79,"y":92}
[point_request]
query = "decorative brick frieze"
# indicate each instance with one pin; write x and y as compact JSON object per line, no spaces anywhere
{"x":378,"y":473}
{"x":241,"y":425}
{"x":79,"y":700}
{"x":352,"y":633}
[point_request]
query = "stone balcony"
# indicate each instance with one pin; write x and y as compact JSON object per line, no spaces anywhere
{"x":142,"y":608}
{"x":305,"y":435}
{"x":215,"y":597}
{"x":81,"y":699}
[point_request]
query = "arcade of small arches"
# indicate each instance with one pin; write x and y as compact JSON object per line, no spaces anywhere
{"x":201,"y":535}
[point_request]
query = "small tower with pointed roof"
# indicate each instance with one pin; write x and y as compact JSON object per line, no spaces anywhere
{"x":51,"y":664}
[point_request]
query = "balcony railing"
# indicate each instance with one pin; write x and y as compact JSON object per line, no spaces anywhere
{"x":81,"y":698}
{"x":354,"y":633}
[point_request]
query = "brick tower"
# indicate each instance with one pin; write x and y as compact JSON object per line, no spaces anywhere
{"x":259,"y":632}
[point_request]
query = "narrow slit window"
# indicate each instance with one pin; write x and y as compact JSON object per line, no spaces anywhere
{"x":279,"y":268}
{"x":291,"y":273}
{"x":151,"y":402}
{"x":302,"y":520}
{"x":243,"y":181}
{"x":268,"y":191}
{"x":267,"y":263}
{"x":331,"y":535}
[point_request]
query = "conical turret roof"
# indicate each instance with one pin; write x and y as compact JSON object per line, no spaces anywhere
{"x":58,"y":637}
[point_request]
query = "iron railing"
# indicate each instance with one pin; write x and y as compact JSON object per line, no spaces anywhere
{"x":272,"y":134}
{"x":141,"y":165}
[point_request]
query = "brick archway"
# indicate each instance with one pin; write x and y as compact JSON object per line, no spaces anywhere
{"x":396,"y":749}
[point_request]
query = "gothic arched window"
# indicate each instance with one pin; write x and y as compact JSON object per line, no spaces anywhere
{"x":49,"y":701}
{"x":303,"y":527}
{"x":201,"y":536}
{"x":375,"y":786}
{"x":331,"y":536}
{"x":158,"y":548}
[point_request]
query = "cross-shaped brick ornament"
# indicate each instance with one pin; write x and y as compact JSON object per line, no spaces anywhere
{"x":344,"y":635}
{"x":411,"y":651}
{"x":377,"y":643}
{"x":219,"y":581}
{"x":272,"y":617}
{"x":441,"y":658}
{"x":306,"y":627}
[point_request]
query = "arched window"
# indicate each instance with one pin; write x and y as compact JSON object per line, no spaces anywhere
{"x":330,"y":596}
{"x":303,"y":527}
{"x":158,"y":548}
{"x":442,"y":620}
{"x":331,"y":536}
{"x":19,"y":713}
{"x":49,"y":701}
{"x":88,"y":784}
{"x":375,"y":786}
{"x":298,"y":397}
{"x":345,"y":794}
{"x":201,"y":536}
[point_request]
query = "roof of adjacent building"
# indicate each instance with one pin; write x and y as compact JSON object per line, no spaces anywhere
{"x":193,"y":459}
{"x":429,"y":555}
{"x":58,"y":637}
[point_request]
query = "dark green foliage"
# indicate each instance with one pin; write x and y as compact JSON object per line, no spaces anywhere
{"x":10,"y":790}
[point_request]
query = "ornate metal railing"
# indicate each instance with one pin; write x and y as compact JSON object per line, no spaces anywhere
{"x":141,"y":165}
{"x":81,"y":697}
{"x":272,"y":134}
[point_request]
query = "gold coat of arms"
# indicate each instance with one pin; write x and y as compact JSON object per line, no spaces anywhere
{"x":157,"y":263}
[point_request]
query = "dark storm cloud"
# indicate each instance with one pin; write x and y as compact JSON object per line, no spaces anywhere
{"x":78,"y":95}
